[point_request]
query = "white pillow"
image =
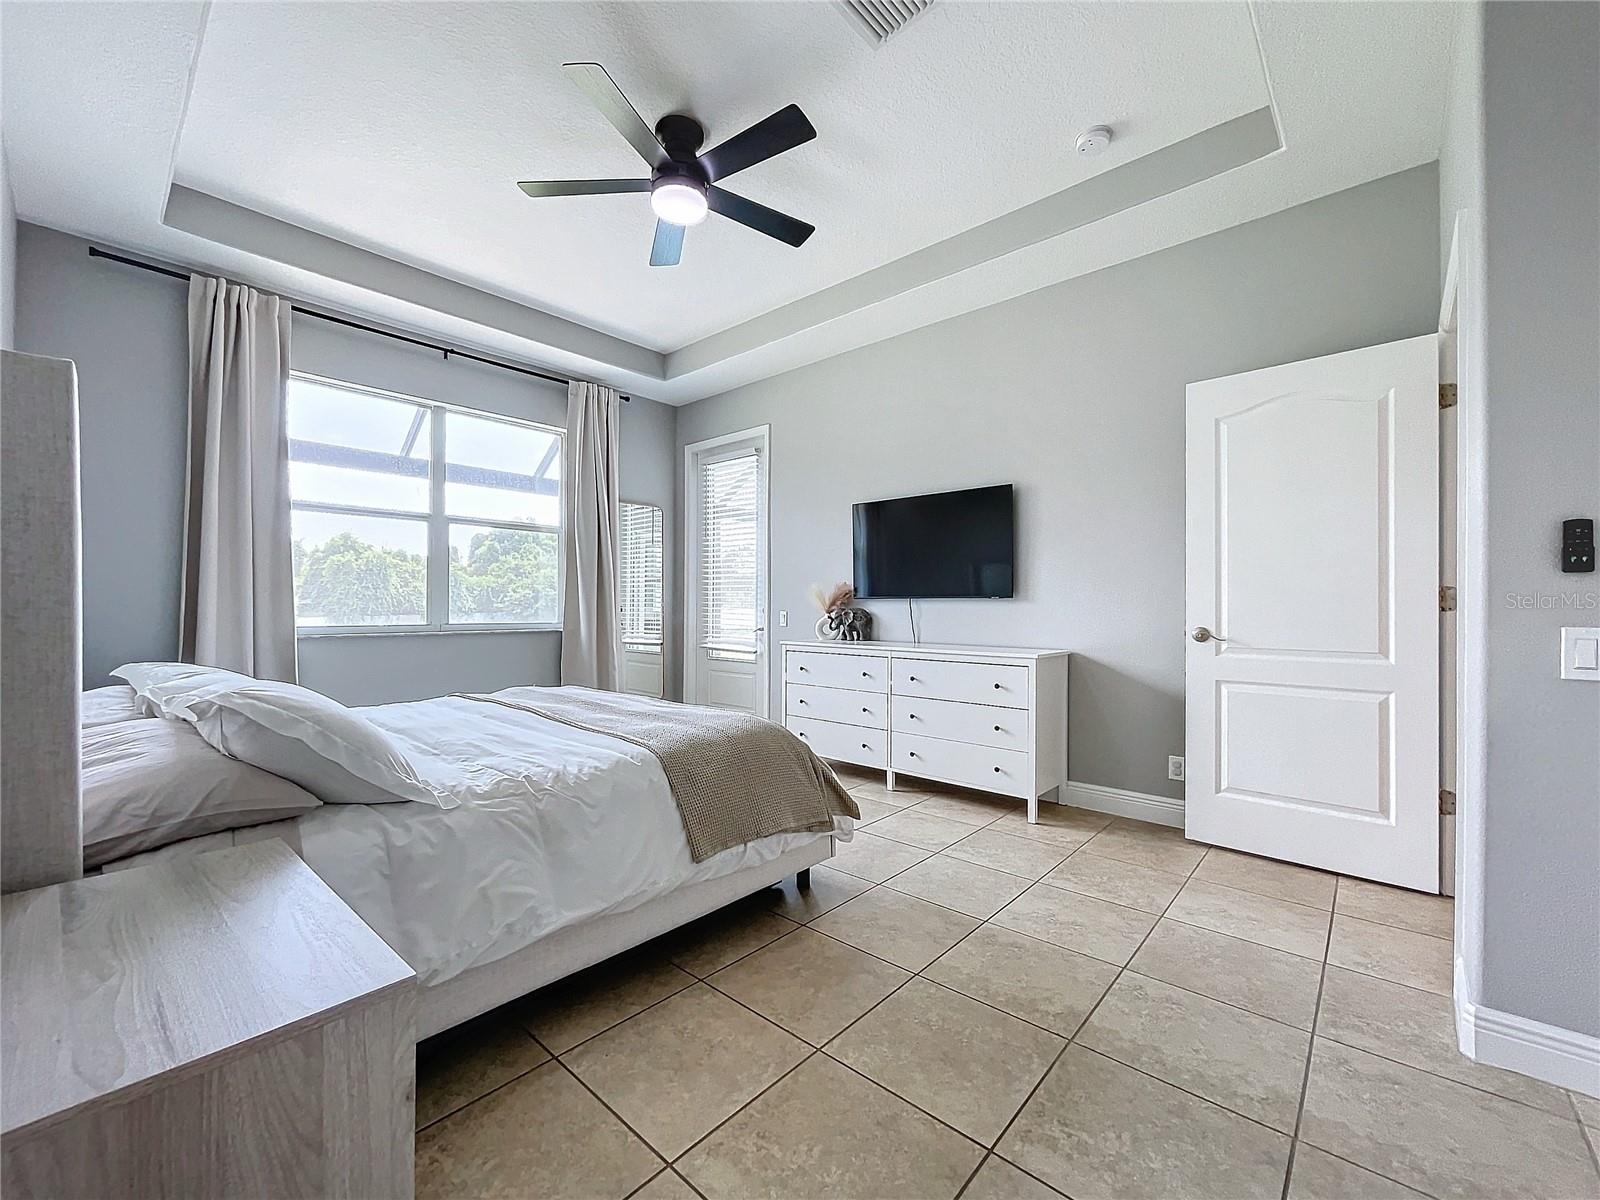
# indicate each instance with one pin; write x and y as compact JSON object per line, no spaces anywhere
{"x":300,"y":735}
{"x":155,"y":684}
{"x":109,"y":705}
{"x":149,"y":783}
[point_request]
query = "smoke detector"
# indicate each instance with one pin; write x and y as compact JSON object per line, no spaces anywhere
{"x":1093,"y":141}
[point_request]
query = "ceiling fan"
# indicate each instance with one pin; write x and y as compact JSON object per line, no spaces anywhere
{"x":683,"y":182}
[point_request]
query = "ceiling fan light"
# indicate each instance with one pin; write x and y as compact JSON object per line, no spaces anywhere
{"x":678,"y":202}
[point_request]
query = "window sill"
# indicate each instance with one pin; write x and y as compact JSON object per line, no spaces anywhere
{"x":309,"y":634}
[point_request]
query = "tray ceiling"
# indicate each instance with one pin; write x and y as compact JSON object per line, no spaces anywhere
{"x":365,"y":154}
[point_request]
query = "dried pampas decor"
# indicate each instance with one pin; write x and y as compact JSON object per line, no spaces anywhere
{"x":841,"y":621}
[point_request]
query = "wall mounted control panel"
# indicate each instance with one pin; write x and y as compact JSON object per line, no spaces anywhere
{"x":1577,"y":545}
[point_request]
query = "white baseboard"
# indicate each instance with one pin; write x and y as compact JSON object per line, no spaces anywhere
{"x":1529,"y":1047}
{"x":1119,"y":802}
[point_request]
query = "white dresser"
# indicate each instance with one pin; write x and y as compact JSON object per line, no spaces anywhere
{"x":987,"y":717}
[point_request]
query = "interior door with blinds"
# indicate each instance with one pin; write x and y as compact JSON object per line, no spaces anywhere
{"x":725,"y":637}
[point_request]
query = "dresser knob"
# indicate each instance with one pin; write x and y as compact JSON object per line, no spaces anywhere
{"x":997,"y":770}
{"x":804,"y":668}
{"x":802,"y":702}
{"x":911,"y":753}
{"x":864,"y":746}
{"x":996,"y":728}
{"x":865,"y":675}
{"x":997,"y":687}
{"x":802,"y":735}
{"x":912,"y":678}
{"x":911,"y":716}
{"x":866,"y":710}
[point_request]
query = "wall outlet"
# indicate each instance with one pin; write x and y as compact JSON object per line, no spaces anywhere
{"x":1174,"y":766}
{"x":783,"y":618}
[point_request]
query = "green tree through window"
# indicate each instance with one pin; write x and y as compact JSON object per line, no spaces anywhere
{"x":406,"y":514}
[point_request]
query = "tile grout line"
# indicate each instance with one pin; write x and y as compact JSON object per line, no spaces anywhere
{"x":1311,"y":1046}
{"x":1399,"y":1062}
{"x":1588,"y":1134}
{"x":1070,"y":1041}
{"x":643,"y":1141}
{"x":678,"y":991}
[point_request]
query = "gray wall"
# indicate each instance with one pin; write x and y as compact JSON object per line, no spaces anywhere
{"x":127,"y":331}
{"x":1541,"y":98}
{"x":1076,"y":394}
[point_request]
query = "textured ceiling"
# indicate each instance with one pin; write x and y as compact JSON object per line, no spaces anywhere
{"x":404,"y":126}
{"x":399,"y":130}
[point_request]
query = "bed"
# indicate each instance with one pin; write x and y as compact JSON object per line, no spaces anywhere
{"x":565,"y":846}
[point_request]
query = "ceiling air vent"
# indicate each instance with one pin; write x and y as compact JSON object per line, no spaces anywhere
{"x":878,"y":19}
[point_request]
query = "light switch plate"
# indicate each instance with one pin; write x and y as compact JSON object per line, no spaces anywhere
{"x":1580,"y":653}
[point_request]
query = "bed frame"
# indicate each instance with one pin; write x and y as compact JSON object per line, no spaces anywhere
{"x":41,"y":828}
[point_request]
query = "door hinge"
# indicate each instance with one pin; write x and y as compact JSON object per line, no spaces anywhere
{"x":1447,"y":598}
{"x":1447,"y":802}
{"x":1447,"y":395}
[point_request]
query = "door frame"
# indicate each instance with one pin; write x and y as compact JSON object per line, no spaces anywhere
{"x":1461,"y":321}
{"x":761,"y":435}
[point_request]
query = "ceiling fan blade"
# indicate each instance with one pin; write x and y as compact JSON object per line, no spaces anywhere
{"x":583,"y":187}
{"x":614,"y":106}
{"x":759,"y":217}
{"x":783,"y":130}
{"x":668,"y":246}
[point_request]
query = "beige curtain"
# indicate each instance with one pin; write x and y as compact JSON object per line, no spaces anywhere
{"x":238,"y":575}
{"x":591,"y":624}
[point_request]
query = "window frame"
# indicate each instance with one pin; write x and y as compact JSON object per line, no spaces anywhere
{"x":437,"y":521}
{"x":658,"y":646}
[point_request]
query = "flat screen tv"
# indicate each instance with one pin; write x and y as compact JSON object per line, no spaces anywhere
{"x":940,"y":546}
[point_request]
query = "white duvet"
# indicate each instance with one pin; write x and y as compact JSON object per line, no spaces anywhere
{"x":555,"y":825}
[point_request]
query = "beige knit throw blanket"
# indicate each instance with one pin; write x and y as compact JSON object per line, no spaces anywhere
{"x":736,"y":777}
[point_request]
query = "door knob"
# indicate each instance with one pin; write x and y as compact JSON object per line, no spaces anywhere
{"x":1202,"y":634}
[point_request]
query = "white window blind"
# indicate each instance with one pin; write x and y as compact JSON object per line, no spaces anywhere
{"x":730,"y":489}
{"x":640,"y":554}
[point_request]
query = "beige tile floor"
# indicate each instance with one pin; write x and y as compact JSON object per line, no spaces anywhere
{"x":966,"y":1005}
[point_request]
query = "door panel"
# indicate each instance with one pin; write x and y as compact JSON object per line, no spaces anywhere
{"x":1305,"y":576}
{"x":1339,"y":741}
{"x":1312,"y":556}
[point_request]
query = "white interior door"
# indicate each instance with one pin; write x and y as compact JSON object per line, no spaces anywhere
{"x":726,"y":659}
{"x":1312,"y":610}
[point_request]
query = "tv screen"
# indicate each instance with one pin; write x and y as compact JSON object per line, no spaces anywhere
{"x":939,"y":546}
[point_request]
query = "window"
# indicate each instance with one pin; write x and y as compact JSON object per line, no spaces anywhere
{"x":730,"y":488}
{"x":640,"y":555}
{"x":408,"y":515}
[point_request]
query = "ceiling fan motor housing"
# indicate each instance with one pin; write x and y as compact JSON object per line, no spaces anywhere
{"x":681,"y":137}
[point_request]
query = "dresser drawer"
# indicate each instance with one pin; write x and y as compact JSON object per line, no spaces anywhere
{"x":983,"y":724}
{"x":975,"y":683}
{"x":864,"y":672}
{"x":870,"y":709}
{"x":1006,"y":771}
{"x":844,"y":743}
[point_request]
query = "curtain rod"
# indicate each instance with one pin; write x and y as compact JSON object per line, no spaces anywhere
{"x":448,"y":351}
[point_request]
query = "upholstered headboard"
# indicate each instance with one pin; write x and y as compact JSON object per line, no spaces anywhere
{"x":41,"y":673}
